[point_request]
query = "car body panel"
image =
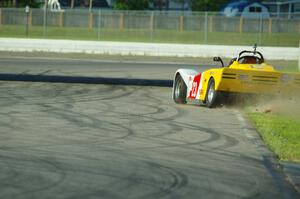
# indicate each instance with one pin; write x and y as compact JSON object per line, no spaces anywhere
{"x":241,"y":78}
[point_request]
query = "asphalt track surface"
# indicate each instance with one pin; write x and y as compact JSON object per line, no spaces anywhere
{"x":109,"y":141}
{"x":91,"y":68}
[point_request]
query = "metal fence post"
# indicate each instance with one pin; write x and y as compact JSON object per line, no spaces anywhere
{"x":151,"y":25}
{"x":205,"y":27}
{"x":181,"y":23}
{"x":61,"y":19}
{"x":260,"y":30}
{"x":91,"y":20}
{"x":0,"y":16}
{"x":270,"y":25}
{"x":99,"y":23}
{"x":210,"y":24}
{"x":241,"y":24}
{"x":45,"y":19}
{"x":121,"y":21}
{"x":27,"y":10}
{"x":30,"y":18}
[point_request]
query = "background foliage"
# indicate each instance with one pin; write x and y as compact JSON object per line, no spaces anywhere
{"x":197,"y":5}
{"x":131,"y":4}
{"x":208,"y":5}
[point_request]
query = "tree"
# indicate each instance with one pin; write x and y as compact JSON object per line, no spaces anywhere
{"x":131,"y":4}
{"x":208,"y":5}
{"x":23,"y":3}
{"x":160,"y":4}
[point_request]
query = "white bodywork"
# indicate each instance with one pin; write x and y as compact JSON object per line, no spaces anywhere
{"x":187,"y":75}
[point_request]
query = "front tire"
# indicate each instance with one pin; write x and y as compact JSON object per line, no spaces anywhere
{"x":211,"y":94}
{"x":180,"y":90}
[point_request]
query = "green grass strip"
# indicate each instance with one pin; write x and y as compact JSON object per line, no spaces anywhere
{"x":158,"y":36}
{"x":280,"y":133}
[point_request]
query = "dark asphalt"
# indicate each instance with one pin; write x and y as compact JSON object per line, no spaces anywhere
{"x":109,"y":141}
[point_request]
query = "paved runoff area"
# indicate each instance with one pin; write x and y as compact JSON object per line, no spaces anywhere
{"x":111,"y":141}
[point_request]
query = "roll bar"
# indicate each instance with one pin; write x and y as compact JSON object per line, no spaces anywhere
{"x":254,"y":52}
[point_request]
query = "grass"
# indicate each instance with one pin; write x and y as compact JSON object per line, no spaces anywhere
{"x":280,"y":133}
{"x":159,"y":36}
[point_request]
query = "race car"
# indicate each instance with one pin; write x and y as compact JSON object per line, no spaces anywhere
{"x":246,"y":74}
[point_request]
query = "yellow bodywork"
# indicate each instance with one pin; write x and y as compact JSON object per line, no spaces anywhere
{"x":251,"y":78}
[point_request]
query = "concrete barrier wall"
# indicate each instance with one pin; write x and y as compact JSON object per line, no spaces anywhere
{"x":148,"y":49}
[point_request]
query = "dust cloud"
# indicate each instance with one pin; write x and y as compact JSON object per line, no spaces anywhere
{"x":269,"y":104}
{"x":279,"y":105}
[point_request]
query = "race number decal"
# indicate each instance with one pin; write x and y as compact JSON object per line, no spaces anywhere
{"x":195,"y":86}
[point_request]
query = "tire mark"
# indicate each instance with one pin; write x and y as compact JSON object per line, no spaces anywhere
{"x":19,"y":175}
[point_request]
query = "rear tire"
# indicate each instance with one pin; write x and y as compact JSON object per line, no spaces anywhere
{"x":180,"y":90}
{"x":211,"y":94}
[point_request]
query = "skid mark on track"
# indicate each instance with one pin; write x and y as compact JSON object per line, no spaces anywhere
{"x":120,"y":142}
{"x":37,"y":169}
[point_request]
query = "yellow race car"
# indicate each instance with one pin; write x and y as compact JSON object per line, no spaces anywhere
{"x":246,"y":74}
